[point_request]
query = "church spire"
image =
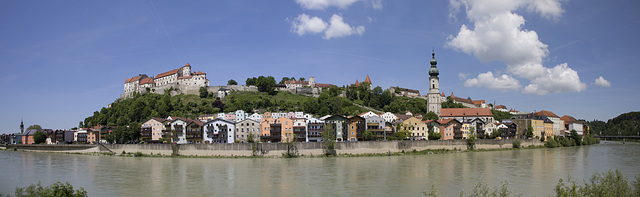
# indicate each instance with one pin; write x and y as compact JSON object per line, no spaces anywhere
{"x":21,"y":126}
{"x":433,"y":71}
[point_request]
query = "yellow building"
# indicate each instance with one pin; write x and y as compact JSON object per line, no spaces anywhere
{"x":417,"y":128}
{"x":465,"y":131}
{"x":548,"y":129}
{"x":538,"y":128}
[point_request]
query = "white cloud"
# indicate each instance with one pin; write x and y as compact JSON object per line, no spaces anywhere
{"x":338,"y":28}
{"x":487,"y":80}
{"x":558,"y":79}
{"x":376,"y":4}
{"x":497,"y":33}
{"x":323,"y":4}
{"x":600,"y":81}
{"x":463,"y":75}
{"x":305,"y":24}
{"x":501,"y":38}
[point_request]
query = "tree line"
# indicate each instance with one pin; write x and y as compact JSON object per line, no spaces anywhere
{"x":625,"y":124}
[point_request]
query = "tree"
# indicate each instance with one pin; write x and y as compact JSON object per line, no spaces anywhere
{"x":203,"y":92}
{"x":35,"y":126}
{"x":430,"y":116}
{"x":434,"y":135}
{"x":251,"y":81}
{"x":39,"y":137}
{"x":576,"y":138}
{"x":301,"y":79}
{"x":328,"y":140}
{"x":499,"y":115}
{"x":80,"y":124}
{"x":403,"y":135}
{"x":529,"y":133}
{"x":232,"y":82}
{"x":284,"y":79}
{"x":397,"y":90}
{"x":266,"y":84}
{"x":368,"y":136}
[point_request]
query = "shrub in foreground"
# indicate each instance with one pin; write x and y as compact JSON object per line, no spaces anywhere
{"x":517,"y":143}
{"x":55,"y":189}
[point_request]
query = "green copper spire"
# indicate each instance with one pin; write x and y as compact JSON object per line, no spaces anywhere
{"x":433,"y":71}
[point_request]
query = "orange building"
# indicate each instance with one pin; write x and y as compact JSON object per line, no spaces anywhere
{"x":356,"y":128}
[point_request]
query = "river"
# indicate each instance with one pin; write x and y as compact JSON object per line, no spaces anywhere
{"x":531,"y":172}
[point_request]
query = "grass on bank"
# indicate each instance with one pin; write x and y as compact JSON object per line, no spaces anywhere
{"x":610,"y":183}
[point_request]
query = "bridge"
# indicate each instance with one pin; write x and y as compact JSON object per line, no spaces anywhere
{"x":617,"y":137}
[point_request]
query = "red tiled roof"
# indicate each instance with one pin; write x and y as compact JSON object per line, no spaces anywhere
{"x":501,"y":107}
{"x":174,"y":71}
{"x":402,"y":116}
{"x":187,"y":65}
{"x":147,"y":80}
{"x":546,"y":113}
{"x":323,"y":85}
{"x":568,"y":119}
{"x":296,"y":82}
{"x":478,"y":102}
{"x":199,"y":73}
{"x":132,"y":79}
{"x":445,"y":121}
{"x":442,"y":94}
{"x":367,"y":80}
{"x":463,"y":112}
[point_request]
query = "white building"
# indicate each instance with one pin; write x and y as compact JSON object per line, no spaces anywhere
{"x":256,"y":117}
{"x":389,"y":117}
{"x":219,"y":131}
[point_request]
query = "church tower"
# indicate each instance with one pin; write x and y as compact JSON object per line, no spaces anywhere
{"x":21,"y":126}
{"x":434,"y":102}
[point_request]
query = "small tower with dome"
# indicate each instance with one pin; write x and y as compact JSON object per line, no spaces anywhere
{"x":434,"y":101}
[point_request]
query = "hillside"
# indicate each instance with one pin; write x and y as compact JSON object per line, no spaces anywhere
{"x":143,"y":106}
{"x":624,"y":124}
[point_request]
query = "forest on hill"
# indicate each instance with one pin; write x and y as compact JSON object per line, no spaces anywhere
{"x":625,"y":124}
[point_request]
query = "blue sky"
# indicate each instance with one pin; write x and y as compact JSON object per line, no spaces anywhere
{"x":63,"y":60}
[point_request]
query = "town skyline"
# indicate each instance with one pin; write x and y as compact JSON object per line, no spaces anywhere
{"x":64,"y":60}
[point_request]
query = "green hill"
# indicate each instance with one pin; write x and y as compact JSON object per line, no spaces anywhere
{"x":624,"y":124}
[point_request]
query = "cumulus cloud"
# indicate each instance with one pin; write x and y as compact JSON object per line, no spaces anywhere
{"x":487,"y":80}
{"x":323,"y":4}
{"x":558,"y":79}
{"x":338,"y":28}
{"x":335,"y":28}
{"x":600,"y":81}
{"x":304,"y":24}
{"x":497,"y":33}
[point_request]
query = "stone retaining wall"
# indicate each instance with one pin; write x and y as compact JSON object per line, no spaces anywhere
{"x":277,"y":149}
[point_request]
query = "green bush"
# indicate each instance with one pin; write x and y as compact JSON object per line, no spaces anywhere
{"x":551,"y":143}
{"x":517,"y":143}
{"x":611,"y":183}
{"x":566,"y":142}
{"x":137,"y":154}
{"x":55,"y":189}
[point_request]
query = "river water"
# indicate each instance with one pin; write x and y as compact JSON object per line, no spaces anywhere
{"x":531,"y":172}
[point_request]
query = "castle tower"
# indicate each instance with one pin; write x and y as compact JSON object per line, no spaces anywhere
{"x":186,"y":70}
{"x":434,"y":101}
{"x":312,"y":82}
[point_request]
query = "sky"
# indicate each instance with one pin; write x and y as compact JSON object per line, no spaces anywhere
{"x":62,"y":60}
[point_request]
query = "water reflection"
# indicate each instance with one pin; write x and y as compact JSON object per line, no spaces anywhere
{"x":531,"y":171}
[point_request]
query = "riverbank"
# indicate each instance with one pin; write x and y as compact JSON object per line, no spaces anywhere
{"x":310,"y":149}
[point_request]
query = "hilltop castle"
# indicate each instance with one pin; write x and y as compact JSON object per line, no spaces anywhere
{"x":181,"y":79}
